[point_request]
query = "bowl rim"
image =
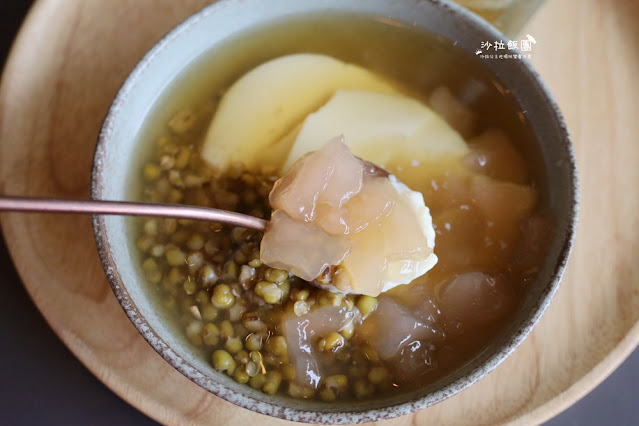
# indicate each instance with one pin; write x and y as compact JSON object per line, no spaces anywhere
{"x":270,"y":405}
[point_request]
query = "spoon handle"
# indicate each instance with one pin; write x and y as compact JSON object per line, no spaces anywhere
{"x":54,"y":205}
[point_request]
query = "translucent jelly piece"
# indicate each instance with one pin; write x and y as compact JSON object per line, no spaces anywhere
{"x":394,"y":250}
{"x":474,"y":300}
{"x":460,"y":239}
{"x":300,"y":247}
{"x":364,"y":269}
{"x":413,"y":360}
{"x":445,"y":191}
{"x":492,"y":154}
{"x":503,"y":206}
{"x":393,"y":326}
{"x":328,"y":177}
{"x":301,"y":334}
{"x":374,"y":202}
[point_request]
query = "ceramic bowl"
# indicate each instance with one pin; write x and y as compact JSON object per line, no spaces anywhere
{"x":114,"y":158}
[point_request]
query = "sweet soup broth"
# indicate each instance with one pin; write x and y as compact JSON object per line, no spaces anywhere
{"x":274,"y":331}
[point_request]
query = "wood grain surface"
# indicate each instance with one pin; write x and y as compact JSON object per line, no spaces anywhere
{"x":72,"y":56}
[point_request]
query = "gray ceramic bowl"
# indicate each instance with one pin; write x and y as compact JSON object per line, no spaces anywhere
{"x":114,"y":159}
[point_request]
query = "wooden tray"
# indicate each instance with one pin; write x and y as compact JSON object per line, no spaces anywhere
{"x":67,"y":64}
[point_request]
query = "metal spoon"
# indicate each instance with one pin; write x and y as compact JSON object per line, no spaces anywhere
{"x":54,"y":205}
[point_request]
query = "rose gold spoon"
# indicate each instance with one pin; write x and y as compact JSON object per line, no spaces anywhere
{"x":54,"y":205}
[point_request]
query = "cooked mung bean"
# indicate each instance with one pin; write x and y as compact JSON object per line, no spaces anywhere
{"x":210,"y":334}
{"x":222,"y":297}
{"x":222,"y":360}
{"x":366,"y":304}
{"x":241,"y":376}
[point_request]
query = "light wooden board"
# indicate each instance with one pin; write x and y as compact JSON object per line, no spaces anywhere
{"x":67,"y":64}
